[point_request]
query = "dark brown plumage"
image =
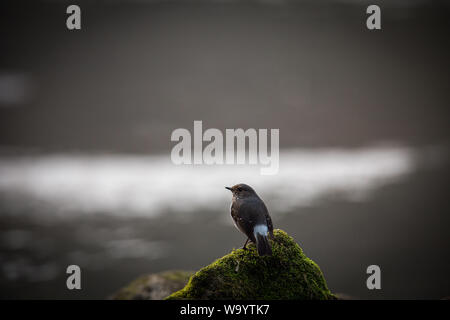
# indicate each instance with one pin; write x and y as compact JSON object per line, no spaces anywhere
{"x":251,"y":217}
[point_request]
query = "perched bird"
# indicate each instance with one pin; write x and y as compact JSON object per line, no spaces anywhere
{"x":251,"y":217}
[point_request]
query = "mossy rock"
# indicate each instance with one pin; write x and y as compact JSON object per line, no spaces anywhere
{"x":243,"y":274}
{"x":154,"y":286}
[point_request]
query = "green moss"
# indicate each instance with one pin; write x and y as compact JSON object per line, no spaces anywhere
{"x":242,"y":274}
{"x":154,"y":286}
{"x":176,"y":275}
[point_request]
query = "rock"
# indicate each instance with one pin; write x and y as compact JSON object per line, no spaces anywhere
{"x":344,"y":296}
{"x":242,"y":274}
{"x":154,"y":286}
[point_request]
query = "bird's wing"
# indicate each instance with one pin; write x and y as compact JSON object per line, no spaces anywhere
{"x":267,"y":218}
{"x":269,"y":225}
{"x":240,"y":215}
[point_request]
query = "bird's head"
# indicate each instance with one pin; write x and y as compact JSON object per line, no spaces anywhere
{"x":242,"y":190}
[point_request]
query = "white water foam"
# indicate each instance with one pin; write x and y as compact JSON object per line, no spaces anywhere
{"x":149,"y":185}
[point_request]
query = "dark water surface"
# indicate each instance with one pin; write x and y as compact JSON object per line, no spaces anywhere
{"x":137,"y":71}
{"x":401,"y":228}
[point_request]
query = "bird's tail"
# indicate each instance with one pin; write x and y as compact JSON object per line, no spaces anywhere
{"x":262,"y":242}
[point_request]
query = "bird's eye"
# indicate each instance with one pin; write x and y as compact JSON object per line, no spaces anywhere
{"x":239,"y":189}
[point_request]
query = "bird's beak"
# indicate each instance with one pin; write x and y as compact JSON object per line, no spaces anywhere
{"x":229,"y":188}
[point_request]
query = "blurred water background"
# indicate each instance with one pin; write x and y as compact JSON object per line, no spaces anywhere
{"x":86,"y":118}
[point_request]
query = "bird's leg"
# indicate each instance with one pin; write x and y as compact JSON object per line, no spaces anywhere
{"x":245,"y":244}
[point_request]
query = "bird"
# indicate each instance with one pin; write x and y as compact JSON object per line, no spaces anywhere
{"x":251,"y":217}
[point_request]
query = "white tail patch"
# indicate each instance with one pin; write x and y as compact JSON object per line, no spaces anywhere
{"x":260,"y":229}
